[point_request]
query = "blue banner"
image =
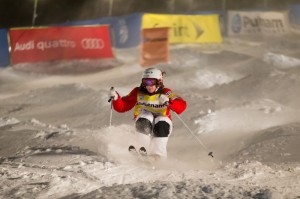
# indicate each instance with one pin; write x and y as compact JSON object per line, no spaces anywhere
{"x":127,"y":30}
{"x":295,"y":15}
{"x":4,"y":53}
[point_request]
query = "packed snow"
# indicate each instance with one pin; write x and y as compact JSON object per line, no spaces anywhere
{"x":56,"y":140}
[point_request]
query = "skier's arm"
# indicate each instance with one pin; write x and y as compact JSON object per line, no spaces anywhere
{"x":126,"y":103}
{"x":176,"y":103}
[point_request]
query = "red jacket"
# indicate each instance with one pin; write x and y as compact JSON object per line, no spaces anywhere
{"x":141,"y":99}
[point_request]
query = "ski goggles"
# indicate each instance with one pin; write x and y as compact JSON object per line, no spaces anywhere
{"x":149,"y":81}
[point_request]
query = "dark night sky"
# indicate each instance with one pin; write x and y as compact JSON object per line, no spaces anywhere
{"x":20,"y":12}
{"x":17,"y":13}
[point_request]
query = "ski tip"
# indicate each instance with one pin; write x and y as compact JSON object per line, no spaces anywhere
{"x":143,"y":151}
{"x":131,"y":148}
{"x":210,"y":154}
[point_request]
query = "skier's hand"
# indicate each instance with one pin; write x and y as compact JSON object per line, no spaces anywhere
{"x":112,"y":94}
{"x":163,"y":99}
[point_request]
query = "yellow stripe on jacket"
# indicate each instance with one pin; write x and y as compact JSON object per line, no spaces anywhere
{"x":149,"y":103}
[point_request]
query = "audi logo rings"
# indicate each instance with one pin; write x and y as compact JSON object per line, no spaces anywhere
{"x":92,"y":43}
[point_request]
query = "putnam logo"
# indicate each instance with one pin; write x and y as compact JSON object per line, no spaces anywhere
{"x":261,"y":22}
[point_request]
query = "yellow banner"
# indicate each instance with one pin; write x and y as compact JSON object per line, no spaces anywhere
{"x":186,"y":28}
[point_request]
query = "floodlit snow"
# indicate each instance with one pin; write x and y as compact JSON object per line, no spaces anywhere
{"x":243,"y":105}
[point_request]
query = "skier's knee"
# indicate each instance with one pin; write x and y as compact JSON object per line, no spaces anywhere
{"x":143,"y":125}
{"x":161,"y":129}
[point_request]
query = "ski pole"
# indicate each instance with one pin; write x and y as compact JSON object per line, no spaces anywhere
{"x":210,"y":153}
{"x":110,"y":117}
{"x":111,"y":109}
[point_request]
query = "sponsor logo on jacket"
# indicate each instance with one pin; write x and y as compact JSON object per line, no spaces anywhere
{"x":151,"y":105}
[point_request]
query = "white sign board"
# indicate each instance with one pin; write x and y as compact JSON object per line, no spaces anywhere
{"x":258,"y":22}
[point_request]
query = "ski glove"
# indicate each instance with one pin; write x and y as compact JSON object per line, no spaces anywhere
{"x":163,"y":99}
{"x":112,"y":94}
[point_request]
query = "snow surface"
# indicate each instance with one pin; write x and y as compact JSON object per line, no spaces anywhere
{"x":243,"y":105}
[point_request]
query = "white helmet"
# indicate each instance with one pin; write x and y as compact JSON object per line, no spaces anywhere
{"x":153,"y":73}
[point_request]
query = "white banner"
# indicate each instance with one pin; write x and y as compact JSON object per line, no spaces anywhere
{"x":258,"y":22}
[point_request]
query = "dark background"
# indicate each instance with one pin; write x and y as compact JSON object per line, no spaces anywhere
{"x":18,"y":13}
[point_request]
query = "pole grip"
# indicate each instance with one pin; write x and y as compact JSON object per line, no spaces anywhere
{"x":111,"y":98}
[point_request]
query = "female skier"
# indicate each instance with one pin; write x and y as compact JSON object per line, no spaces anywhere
{"x":152,"y":103}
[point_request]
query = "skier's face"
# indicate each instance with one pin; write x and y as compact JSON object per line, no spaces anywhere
{"x":151,"y":89}
{"x":150,"y":84}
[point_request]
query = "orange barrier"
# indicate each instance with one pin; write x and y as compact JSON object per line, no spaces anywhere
{"x":155,"y":46}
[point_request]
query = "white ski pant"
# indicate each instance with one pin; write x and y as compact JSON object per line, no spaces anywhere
{"x":153,"y":144}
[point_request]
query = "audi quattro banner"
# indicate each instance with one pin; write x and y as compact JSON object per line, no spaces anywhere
{"x":56,"y":43}
{"x":155,"y":46}
{"x":4,"y":53}
{"x":258,"y":22}
{"x":186,"y":28}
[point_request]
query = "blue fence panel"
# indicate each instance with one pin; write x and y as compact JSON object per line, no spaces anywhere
{"x":4,"y":53}
{"x":127,"y":30}
{"x":295,"y":15}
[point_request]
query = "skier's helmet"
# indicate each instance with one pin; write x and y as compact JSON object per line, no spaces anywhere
{"x":152,"y":73}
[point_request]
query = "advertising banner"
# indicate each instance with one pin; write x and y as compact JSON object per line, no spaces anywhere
{"x":186,"y":28}
{"x":127,"y":31}
{"x":56,"y":43}
{"x":258,"y":22}
{"x":155,"y":46}
{"x":4,"y":53}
